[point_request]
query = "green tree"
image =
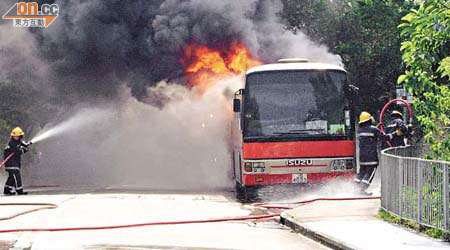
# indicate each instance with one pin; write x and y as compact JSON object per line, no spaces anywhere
{"x":12,"y":110}
{"x":426,"y":51}
{"x":21,"y":105}
{"x":364,"y":33}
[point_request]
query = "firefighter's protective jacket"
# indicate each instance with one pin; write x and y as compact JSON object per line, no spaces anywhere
{"x":18,"y":147}
{"x":394,"y":125}
{"x":368,"y":136}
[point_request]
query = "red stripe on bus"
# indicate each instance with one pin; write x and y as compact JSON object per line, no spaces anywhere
{"x":303,"y":149}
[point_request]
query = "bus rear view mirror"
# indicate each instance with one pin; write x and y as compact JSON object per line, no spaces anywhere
{"x":353,"y":94}
{"x":236,"y":105}
{"x":353,"y":89}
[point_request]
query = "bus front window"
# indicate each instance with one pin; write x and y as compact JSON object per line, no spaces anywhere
{"x":298,"y":104}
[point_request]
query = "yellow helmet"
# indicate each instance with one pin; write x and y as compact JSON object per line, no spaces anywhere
{"x":395,"y":112}
{"x":17,"y":132}
{"x":364,"y":117}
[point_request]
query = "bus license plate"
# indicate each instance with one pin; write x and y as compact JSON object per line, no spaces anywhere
{"x":299,"y":178}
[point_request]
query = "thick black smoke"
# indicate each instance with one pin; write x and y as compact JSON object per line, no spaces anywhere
{"x":95,"y":46}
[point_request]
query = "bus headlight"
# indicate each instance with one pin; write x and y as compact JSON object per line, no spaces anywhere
{"x":255,"y":167}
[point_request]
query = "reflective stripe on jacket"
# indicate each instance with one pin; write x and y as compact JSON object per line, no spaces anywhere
{"x":17,"y":147}
{"x":368,"y":136}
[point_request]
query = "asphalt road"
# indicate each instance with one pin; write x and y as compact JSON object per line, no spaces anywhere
{"x":112,"y":208}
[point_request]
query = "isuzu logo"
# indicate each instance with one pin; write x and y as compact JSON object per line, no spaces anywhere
{"x":299,"y":162}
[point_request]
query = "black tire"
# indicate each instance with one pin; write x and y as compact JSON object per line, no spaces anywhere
{"x":246,"y":194}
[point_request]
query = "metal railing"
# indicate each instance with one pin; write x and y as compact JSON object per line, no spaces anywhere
{"x":414,"y":188}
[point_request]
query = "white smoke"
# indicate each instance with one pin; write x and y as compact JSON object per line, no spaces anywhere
{"x":275,"y":42}
{"x":182,"y":146}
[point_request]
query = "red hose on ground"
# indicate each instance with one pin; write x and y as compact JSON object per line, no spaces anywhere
{"x":138,"y":225}
{"x":254,"y":217}
{"x":267,"y":205}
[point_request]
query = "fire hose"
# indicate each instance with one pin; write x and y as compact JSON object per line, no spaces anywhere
{"x":6,"y":160}
{"x":11,"y":155}
{"x":241,"y":218}
{"x":387,"y":106}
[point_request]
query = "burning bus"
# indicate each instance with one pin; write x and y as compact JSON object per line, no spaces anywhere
{"x":293,"y":123}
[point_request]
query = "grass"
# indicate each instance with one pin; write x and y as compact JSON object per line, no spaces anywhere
{"x":432,"y":232}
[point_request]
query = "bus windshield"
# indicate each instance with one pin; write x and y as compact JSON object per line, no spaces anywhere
{"x":300,"y":104}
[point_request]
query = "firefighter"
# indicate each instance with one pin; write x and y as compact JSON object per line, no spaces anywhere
{"x":397,"y":125}
{"x":17,"y":147}
{"x":368,"y":136}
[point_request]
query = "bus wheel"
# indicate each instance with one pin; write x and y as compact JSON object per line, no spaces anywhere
{"x":246,"y":194}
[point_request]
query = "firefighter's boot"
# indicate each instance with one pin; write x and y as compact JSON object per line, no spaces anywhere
{"x":363,"y":190}
{"x":367,"y":193}
{"x":8,"y":191}
{"x":21,"y":192}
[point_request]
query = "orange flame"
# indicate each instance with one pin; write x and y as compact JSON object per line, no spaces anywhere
{"x":208,"y":65}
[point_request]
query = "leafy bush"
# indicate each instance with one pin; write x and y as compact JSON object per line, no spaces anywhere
{"x":364,"y":33}
{"x":426,"y":51}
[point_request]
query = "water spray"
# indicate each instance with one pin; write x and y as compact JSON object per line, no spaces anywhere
{"x":79,"y":120}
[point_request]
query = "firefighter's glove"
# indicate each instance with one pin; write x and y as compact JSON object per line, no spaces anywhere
{"x":390,"y":136}
{"x":398,"y":132}
{"x":410,"y":129}
{"x":23,"y":149}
